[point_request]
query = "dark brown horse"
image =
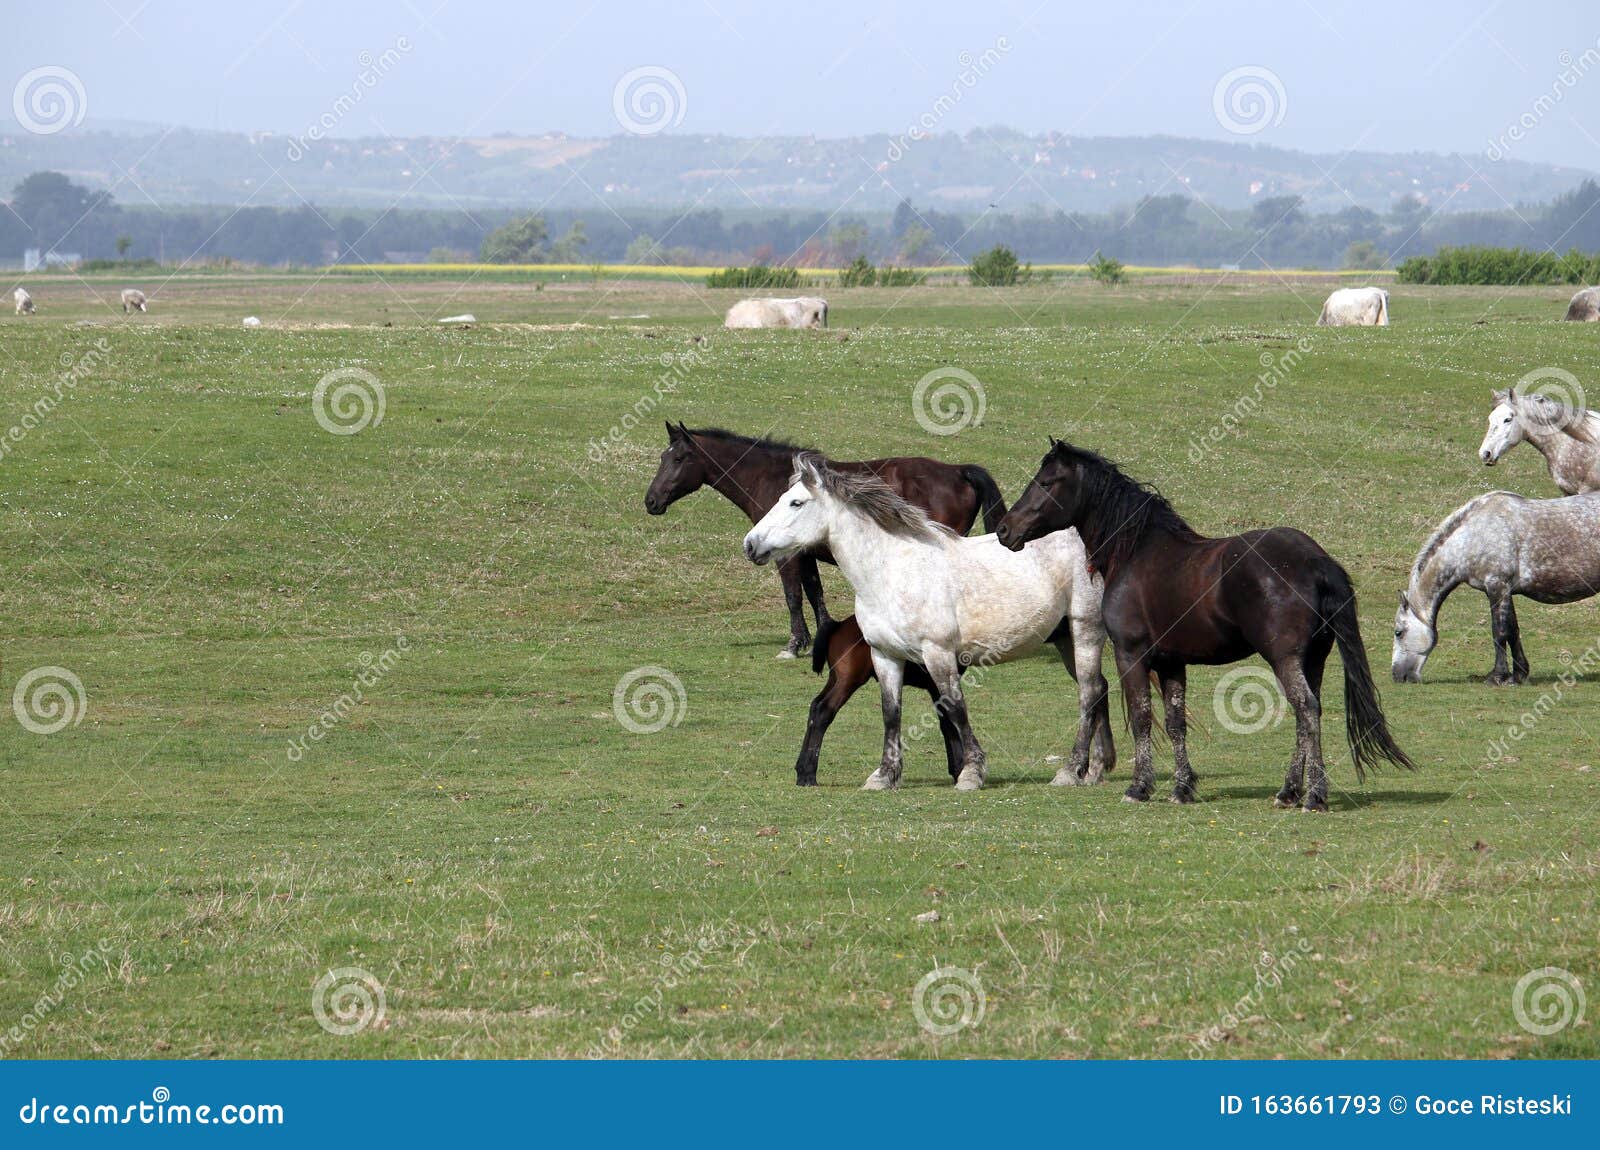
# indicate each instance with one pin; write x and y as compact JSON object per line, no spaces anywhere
{"x":1174,"y":597}
{"x":752,"y":473}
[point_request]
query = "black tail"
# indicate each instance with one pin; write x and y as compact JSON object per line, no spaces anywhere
{"x":1370,"y":740}
{"x":989,"y":497}
{"x":819,"y":645}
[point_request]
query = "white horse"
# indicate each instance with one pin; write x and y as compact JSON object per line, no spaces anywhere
{"x":1568,"y":439}
{"x":1356,"y":307}
{"x":1504,"y":545}
{"x":926,"y":595}
{"x":24,"y":301}
{"x":135,"y":299}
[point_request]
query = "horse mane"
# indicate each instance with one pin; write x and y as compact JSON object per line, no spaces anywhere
{"x":762,"y":442}
{"x":1441,"y":534}
{"x":1579,"y":423}
{"x":869,"y":495}
{"x":1119,"y":510}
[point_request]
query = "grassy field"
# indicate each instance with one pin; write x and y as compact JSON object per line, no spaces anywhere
{"x":451,"y":596}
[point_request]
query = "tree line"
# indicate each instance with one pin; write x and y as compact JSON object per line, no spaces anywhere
{"x":49,"y":211}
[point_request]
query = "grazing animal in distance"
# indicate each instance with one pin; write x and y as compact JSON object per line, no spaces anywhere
{"x":1356,"y":307}
{"x":1547,"y":550}
{"x":24,"y":301}
{"x":752,"y":472}
{"x":1568,"y":438}
{"x":1174,"y":597}
{"x":1585,"y":306}
{"x":135,"y":299}
{"x":802,"y":311}
{"x":927,"y":595}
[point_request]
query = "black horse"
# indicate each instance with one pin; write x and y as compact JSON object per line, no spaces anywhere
{"x":1174,"y":597}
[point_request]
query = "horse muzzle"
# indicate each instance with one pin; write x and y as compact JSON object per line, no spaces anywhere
{"x":757,"y":553}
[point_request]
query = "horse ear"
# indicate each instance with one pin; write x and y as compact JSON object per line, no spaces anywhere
{"x":672,"y":432}
{"x":1499,"y":396}
{"x":808,"y":470}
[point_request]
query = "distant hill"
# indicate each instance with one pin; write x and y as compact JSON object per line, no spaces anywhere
{"x":869,"y":173}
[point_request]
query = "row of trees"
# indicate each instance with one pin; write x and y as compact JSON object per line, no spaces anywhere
{"x":50,"y":211}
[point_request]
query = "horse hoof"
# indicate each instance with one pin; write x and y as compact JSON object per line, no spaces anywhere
{"x":878,"y":781}
{"x":1135,"y":797}
{"x":786,"y":653}
{"x":1182,"y":798}
{"x":1285,"y":804}
{"x":969,"y":780}
{"x":1067,"y":777}
{"x":1314,"y":807}
{"x":811,"y":782}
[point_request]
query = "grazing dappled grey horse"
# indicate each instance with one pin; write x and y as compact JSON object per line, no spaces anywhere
{"x":927,"y":595}
{"x":1568,"y":438}
{"x":1504,"y":545}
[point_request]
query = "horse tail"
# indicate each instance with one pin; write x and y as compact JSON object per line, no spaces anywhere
{"x":1365,"y":727}
{"x":819,"y":645}
{"x":989,"y":497}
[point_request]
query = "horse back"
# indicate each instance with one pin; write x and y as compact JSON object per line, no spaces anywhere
{"x":938,"y":488}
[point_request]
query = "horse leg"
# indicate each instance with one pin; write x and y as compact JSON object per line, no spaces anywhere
{"x":1499,"y":603}
{"x":1092,"y":751}
{"x":1174,"y":683}
{"x":1513,"y":631}
{"x":846,"y":674}
{"x":945,"y":671}
{"x":799,"y":637}
{"x":891,"y":677}
{"x":811,"y":584}
{"x":1296,"y":677}
{"x":1134,"y":674}
{"x":954,"y":752}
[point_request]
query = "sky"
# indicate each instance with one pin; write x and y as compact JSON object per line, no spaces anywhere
{"x":1325,"y":76}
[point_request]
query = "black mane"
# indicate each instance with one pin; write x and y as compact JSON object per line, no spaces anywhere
{"x":1119,"y":512}
{"x":765,"y":442}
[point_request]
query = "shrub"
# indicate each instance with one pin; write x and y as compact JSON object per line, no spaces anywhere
{"x":144,"y":265}
{"x":860,"y":273}
{"x":996,"y":267}
{"x":1363,"y":256}
{"x":900,"y":277}
{"x":756,"y":276}
{"x":1103,"y":269}
{"x":1499,"y":266}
